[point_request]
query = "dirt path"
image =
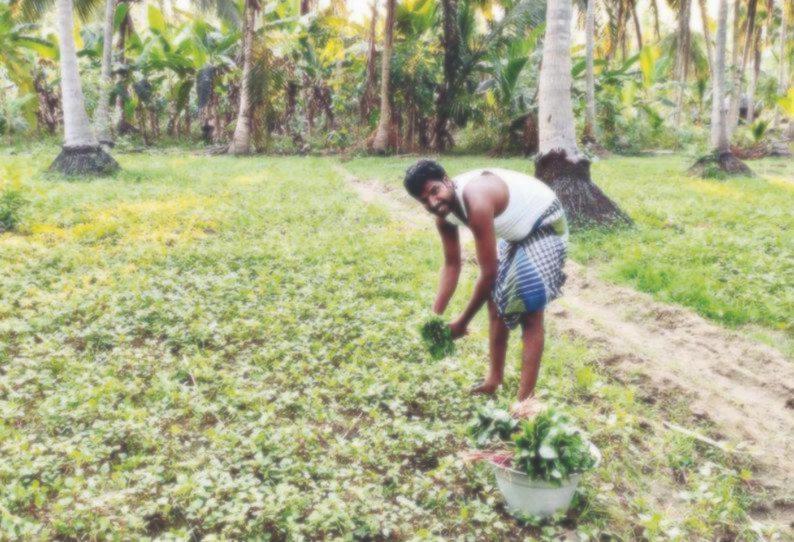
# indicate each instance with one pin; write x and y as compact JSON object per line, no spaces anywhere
{"x":745,"y":388}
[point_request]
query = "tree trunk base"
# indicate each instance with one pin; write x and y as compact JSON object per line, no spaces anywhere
{"x":584,"y":203}
{"x":86,"y":160}
{"x":383,"y":145}
{"x":720,"y":164}
{"x":125,"y":128}
{"x":239,"y":150}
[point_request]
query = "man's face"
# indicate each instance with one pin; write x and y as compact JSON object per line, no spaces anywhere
{"x":438,"y":197}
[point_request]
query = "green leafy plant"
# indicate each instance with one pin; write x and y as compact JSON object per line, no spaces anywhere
{"x":437,"y":338}
{"x":492,"y":425}
{"x":549,"y":447}
{"x":11,"y":204}
{"x":758,"y":130}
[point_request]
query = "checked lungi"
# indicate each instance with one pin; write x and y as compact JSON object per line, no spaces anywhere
{"x":529,"y":272}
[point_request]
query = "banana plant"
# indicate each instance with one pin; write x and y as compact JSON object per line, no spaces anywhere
{"x":20,"y":48}
{"x":165,"y":63}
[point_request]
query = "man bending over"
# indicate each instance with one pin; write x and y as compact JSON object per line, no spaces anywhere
{"x":521,"y":234}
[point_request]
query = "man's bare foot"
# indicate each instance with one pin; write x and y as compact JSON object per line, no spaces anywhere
{"x":528,"y":408}
{"x":486,"y":387}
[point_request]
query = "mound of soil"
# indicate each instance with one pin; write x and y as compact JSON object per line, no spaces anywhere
{"x":86,"y":160}
{"x":585,"y":203}
{"x":725,"y":163}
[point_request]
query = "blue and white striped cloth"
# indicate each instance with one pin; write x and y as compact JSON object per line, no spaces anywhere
{"x":530,"y":272}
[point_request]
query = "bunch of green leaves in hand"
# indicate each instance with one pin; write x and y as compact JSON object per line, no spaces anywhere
{"x":492,"y":427}
{"x":437,"y":338}
{"x":548,"y":447}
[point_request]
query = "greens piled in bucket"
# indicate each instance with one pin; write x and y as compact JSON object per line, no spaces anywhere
{"x":437,"y":338}
{"x":492,"y":426}
{"x":548,"y":447}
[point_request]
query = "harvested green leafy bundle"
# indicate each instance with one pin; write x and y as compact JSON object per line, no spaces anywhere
{"x":437,"y":338}
{"x":549,"y":447}
{"x":492,"y":427}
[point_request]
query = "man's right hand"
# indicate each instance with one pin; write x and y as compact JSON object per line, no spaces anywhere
{"x":458,"y":328}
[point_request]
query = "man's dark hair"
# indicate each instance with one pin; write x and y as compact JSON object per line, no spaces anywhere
{"x":418,"y":174}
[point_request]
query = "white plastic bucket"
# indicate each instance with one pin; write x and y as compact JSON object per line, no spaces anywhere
{"x":534,"y":497}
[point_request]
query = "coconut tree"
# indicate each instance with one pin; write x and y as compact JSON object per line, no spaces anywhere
{"x":704,"y":18}
{"x":241,"y":141}
{"x":366,"y":105}
{"x":741,"y":66}
{"x":637,"y":26}
{"x":655,"y":9}
{"x":682,"y":56}
{"x":381,"y":141}
{"x":102,"y":114}
{"x":81,"y":152}
{"x":465,"y":51}
{"x":751,"y":87}
{"x":721,"y":157}
{"x":559,"y":162}
{"x":782,"y":79}
{"x":452,"y":62}
{"x":590,"y":116}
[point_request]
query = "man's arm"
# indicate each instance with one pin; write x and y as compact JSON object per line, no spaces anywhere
{"x":450,"y":272}
{"x":480,"y":210}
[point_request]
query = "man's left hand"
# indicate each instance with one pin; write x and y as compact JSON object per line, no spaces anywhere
{"x":458,"y":328}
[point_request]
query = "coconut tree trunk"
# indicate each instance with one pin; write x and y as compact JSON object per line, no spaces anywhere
{"x":655,"y":7}
{"x":367,"y":100}
{"x":102,"y":115}
{"x":620,"y":31}
{"x":754,"y":75}
{"x":81,"y":152}
{"x":559,"y":162}
{"x":681,"y":57}
{"x":719,"y":113}
{"x":738,"y":74}
{"x":731,"y":83}
{"x":241,"y":140}
{"x":125,"y":28}
{"x":447,"y":91}
{"x":590,"y":114}
{"x":381,"y":141}
{"x":704,"y":17}
{"x":721,"y":156}
{"x":637,"y":27}
{"x":782,"y":79}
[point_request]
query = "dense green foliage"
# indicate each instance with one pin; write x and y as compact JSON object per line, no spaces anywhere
{"x":548,"y":447}
{"x":178,"y":76}
{"x":437,"y":338}
{"x":492,"y":426}
{"x":11,"y":204}
{"x":193,"y":348}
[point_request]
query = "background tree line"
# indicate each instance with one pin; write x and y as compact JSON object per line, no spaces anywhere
{"x":414,"y":75}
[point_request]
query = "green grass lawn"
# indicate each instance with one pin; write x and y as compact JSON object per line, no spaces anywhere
{"x":723,"y":248}
{"x":218,"y":347}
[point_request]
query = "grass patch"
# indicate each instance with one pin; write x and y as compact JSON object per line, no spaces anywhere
{"x":198,"y":347}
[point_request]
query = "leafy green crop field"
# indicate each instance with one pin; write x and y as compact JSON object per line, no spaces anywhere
{"x":723,"y":248}
{"x":208,"y":347}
